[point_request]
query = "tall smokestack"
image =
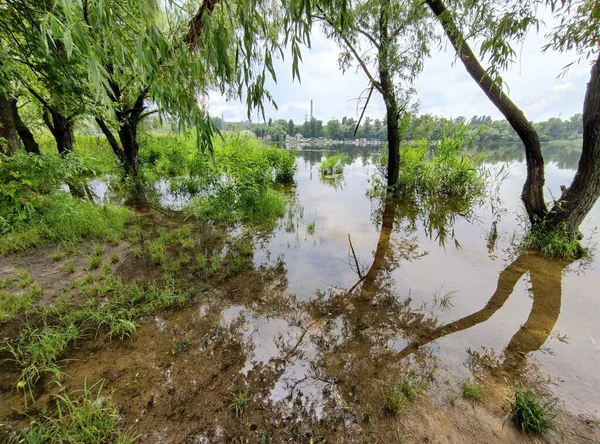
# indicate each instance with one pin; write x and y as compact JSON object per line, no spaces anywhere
{"x":311,"y":109}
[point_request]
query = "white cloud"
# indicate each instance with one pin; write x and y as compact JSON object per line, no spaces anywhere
{"x":444,"y":87}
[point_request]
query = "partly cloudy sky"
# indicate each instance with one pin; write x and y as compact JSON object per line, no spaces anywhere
{"x":444,"y":88}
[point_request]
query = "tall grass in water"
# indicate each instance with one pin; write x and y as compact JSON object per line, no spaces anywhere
{"x":34,"y":208}
{"x":334,"y":165}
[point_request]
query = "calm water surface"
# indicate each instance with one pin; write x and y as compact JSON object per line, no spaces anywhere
{"x":531,"y":317}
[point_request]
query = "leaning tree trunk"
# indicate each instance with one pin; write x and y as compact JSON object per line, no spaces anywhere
{"x":8,"y":130}
{"x":533,"y":189}
{"x":61,"y":128}
{"x":577,"y":201}
{"x":31,"y":146}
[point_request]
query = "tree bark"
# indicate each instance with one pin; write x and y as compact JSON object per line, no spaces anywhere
{"x":31,"y":146}
{"x":533,"y":189}
{"x":9,"y":142}
{"x":61,"y":128}
{"x":577,"y":201}
{"x":391,"y":104}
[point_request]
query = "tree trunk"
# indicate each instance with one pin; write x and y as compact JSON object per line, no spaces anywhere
{"x":25,"y":134}
{"x":61,"y":128}
{"x":577,"y":201}
{"x":533,"y":189}
{"x":9,"y":142}
{"x":131,"y":148}
{"x":391,"y":104}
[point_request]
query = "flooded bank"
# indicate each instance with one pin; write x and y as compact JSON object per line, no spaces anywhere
{"x":347,"y":297}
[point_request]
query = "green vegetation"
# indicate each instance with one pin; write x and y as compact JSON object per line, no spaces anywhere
{"x":472,"y":391}
{"x":238,"y":404}
{"x":11,"y":304}
{"x":34,"y":209}
{"x":554,"y":243}
{"x":334,"y":165}
{"x":38,"y":348}
{"x":443,"y":170}
{"x":87,"y":418}
{"x":530,"y":415}
{"x":393,"y":400}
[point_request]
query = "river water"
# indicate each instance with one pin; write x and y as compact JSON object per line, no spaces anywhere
{"x":532,"y":318}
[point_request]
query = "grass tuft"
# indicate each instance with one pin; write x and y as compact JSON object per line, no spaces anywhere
{"x":238,"y":404}
{"x":472,"y":391}
{"x":532,"y":416}
{"x":88,"y":418}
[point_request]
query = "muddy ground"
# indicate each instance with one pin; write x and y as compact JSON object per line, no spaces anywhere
{"x":311,"y":371}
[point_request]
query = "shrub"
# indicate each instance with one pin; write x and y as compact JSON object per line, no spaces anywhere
{"x":333,"y":165}
{"x":555,"y":242}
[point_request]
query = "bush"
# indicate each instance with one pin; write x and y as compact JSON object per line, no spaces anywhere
{"x":241,"y":184}
{"x":441,"y":170}
{"x":334,"y":164}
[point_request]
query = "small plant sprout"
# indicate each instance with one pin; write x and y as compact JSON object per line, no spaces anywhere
{"x":310,"y":228}
{"x":183,"y":344}
{"x":444,"y":301}
{"x":25,"y":279}
{"x":239,"y":403}
{"x":98,"y":250}
{"x":472,"y":391}
{"x":201,"y":261}
{"x":114,"y":258}
{"x":532,"y":416}
{"x":137,"y":251}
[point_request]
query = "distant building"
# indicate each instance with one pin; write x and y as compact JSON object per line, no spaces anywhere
{"x":298,"y":136}
{"x":247,"y":133}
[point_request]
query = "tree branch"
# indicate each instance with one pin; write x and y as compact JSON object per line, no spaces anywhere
{"x":351,"y":48}
{"x":362,"y":114}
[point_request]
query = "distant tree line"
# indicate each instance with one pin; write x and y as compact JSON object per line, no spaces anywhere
{"x":482,"y":129}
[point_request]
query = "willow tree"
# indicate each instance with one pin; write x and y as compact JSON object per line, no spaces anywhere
{"x":145,"y":56}
{"x":498,"y":28}
{"x":388,"y":41}
{"x":42,"y":68}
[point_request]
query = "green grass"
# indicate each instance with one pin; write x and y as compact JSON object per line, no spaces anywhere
{"x":334,"y":165}
{"x":183,"y":344}
{"x":87,"y":418}
{"x":158,"y":252}
{"x":239,"y":402}
{"x":472,"y":391}
{"x":393,"y":400}
{"x":111,"y":307}
{"x":11,"y":304}
{"x":59,"y":255}
{"x":310,"y":228}
{"x":114,"y":258}
{"x":532,"y":416}
{"x":69,"y":267}
{"x":554,"y":243}
{"x":94,"y":262}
